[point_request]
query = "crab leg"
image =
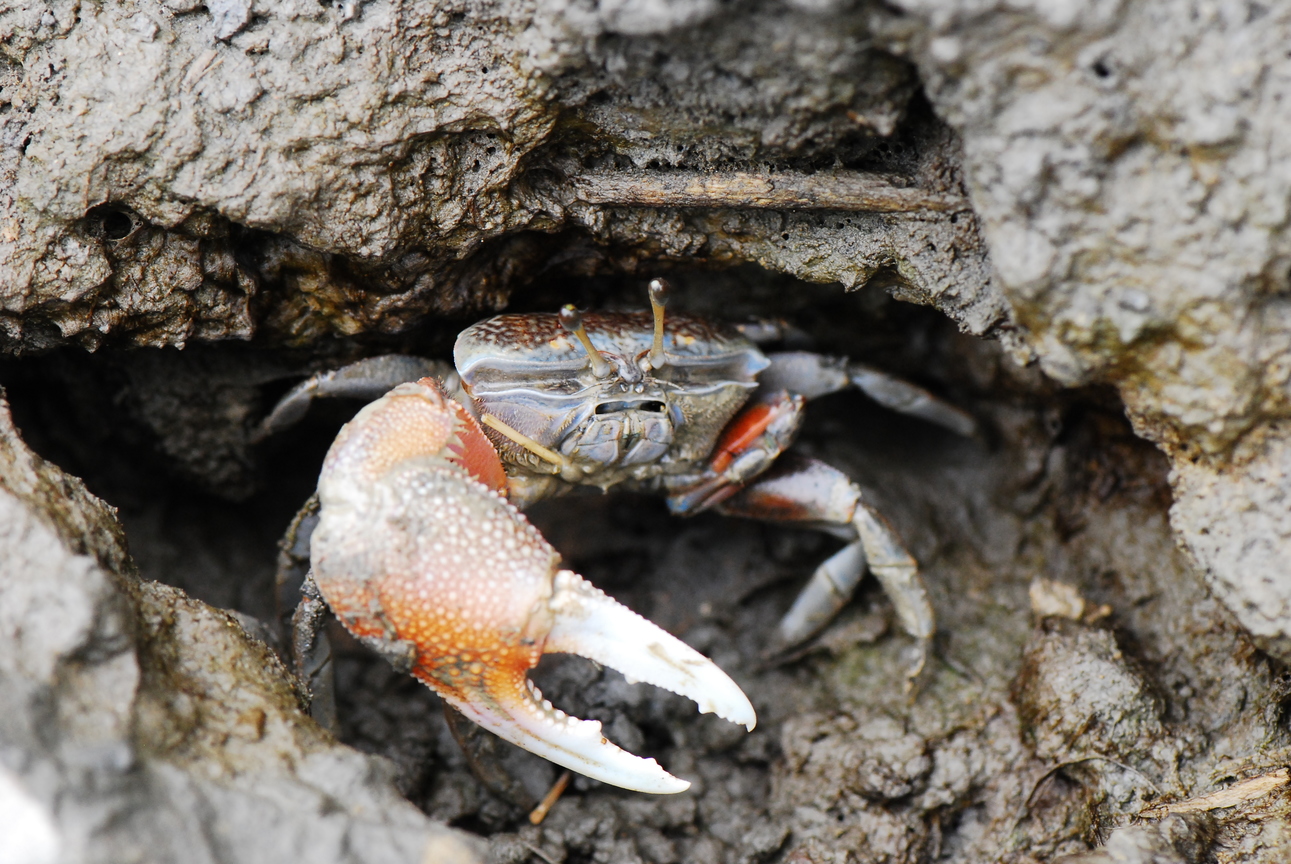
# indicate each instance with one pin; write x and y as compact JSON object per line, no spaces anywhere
{"x":748,"y":446}
{"x":742,"y":481}
{"x":420,"y":555}
{"x":806,"y":490}
{"x":813,"y":375}
{"x":364,"y":379}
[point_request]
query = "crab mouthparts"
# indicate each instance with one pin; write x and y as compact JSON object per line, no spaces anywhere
{"x":587,"y":622}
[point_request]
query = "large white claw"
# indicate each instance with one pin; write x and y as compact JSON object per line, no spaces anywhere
{"x":578,"y":745}
{"x":418,"y":554}
{"x":590,"y":623}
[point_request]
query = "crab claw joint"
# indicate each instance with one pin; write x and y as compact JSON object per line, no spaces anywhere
{"x":420,"y":555}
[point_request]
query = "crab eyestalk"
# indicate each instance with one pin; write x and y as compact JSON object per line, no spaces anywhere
{"x":658,"y":291}
{"x":572,"y":320}
{"x":420,"y":556}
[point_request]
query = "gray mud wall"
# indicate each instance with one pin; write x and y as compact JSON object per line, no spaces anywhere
{"x":1069,"y":218}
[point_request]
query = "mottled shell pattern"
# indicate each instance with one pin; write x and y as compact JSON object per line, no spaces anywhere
{"x":534,"y":376}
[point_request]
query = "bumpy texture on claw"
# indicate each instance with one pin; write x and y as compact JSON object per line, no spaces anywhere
{"x":420,"y":555}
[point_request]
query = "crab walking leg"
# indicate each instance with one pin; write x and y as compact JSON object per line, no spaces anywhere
{"x":421,"y":557}
{"x":813,"y":375}
{"x":364,"y":379}
{"x":904,"y":397}
{"x":749,"y":445}
{"x":806,"y":490}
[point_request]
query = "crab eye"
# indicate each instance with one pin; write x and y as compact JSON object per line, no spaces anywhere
{"x":654,"y":406}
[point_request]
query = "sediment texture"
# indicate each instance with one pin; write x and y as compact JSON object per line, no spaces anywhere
{"x":326,"y":181}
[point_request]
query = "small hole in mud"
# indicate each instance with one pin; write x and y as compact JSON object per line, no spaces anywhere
{"x":1101,"y":69}
{"x":109,"y":223}
{"x":116,"y":225}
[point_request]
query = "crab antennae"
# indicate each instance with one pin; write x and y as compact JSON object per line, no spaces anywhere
{"x":658,"y":291}
{"x":572,"y":320}
{"x":525,"y":441}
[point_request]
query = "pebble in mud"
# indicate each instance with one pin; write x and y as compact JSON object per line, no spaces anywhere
{"x":1173,"y":840}
{"x":874,"y":757}
{"x":1079,"y":696}
{"x":1086,"y":709}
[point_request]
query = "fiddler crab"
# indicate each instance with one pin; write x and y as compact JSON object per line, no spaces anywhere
{"x":422,"y":552}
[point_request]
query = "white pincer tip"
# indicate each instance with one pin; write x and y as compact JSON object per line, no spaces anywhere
{"x":585,"y":621}
{"x":591,"y":624}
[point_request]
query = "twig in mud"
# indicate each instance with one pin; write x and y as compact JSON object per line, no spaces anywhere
{"x":538,"y":852}
{"x":785,"y":190}
{"x":539,"y":813}
{"x":1238,"y":793}
{"x":1052,"y":771}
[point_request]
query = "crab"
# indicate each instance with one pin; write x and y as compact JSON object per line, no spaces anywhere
{"x":422,"y":551}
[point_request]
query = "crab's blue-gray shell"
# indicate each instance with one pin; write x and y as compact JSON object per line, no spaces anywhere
{"x":527,"y":371}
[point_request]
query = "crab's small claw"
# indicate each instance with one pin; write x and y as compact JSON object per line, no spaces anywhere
{"x":420,"y":555}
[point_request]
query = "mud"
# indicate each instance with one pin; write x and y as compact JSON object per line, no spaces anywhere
{"x":1028,"y":739}
{"x":201,"y":204}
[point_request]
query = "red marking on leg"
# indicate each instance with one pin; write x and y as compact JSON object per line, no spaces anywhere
{"x":745,"y":429}
{"x":758,"y":503}
{"x":797,"y":490}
